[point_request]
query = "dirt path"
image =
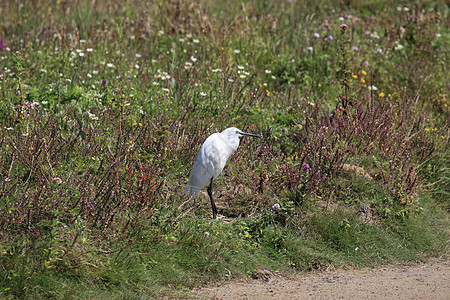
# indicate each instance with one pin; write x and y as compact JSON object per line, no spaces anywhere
{"x":419,"y":281}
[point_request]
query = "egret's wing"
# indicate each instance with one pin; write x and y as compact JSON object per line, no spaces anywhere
{"x":207,"y":166}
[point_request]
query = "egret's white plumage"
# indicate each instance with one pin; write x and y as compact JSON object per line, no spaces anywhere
{"x":211,"y":160}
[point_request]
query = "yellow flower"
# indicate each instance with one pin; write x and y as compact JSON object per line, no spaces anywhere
{"x":246,"y":235}
{"x":382,"y":95}
{"x":267,"y":92}
{"x":364,"y":73}
{"x":390,"y":96}
{"x":31,"y":148}
{"x":362,"y":80}
{"x":426,"y":129}
{"x":354,"y":76}
{"x":140,"y":124}
{"x":320,"y":85}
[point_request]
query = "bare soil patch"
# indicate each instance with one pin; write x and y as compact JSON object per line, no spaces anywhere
{"x":418,"y":281}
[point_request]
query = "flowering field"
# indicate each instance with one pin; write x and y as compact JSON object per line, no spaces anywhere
{"x":104,"y":107}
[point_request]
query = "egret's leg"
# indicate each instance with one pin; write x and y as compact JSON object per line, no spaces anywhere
{"x":213,"y":205}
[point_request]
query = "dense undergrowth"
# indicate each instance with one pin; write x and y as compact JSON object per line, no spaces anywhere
{"x":105,"y":106}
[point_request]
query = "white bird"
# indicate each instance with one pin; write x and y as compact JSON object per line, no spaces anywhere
{"x":211,"y":159}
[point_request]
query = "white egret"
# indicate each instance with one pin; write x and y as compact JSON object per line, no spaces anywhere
{"x":211,"y":159}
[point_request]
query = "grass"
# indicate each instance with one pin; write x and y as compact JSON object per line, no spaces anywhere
{"x":105,"y":106}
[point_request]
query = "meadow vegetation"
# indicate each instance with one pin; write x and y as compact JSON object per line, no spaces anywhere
{"x":105,"y":104}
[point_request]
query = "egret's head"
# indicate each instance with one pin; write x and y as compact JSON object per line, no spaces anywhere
{"x":233,"y":132}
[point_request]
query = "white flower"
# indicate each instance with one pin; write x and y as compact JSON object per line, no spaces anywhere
{"x":161,"y":32}
{"x":166,"y":90}
{"x":89,"y":75}
{"x":138,"y":55}
{"x":181,"y":40}
{"x":372,"y":88}
{"x":193,"y":59}
{"x":188,"y":35}
{"x":196,"y":41}
{"x":136,"y":66}
{"x":268,"y":71}
{"x":92,"y":116}
{"x":203,"y":94}
{"x":216,"y":70}
{"x":110,"y":65}
{"x":81,"y":54}
{"x":399,"y":47}
{"x":237,"y":51}
{"x":242,"y":76}
{"x":89,"y":49}
{"x":230,"y":79}
{"x":95,"y":72}
{"x":155,"y":83}
{"x":241,"y":67}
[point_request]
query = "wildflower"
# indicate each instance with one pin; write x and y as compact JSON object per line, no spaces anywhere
{"x":57,"y":180}
{"x":110,"y":65}
{"x":372,"y":88}
{"x":310,"y":49}
{"x":268,"y":71}
{"x":267,"y":92}
{"x":193,"y":59}
{"x":140,"y":124}
{"x":237,"y":51}
{"x":319,"y":85}
{"x":382,"y":95}
{"x":89,"y":50}
{"x":316,"y":35}
{"x":241,"y":67}
{"x":207,"y":233}
{"x":31,"y":148}
{"x":155,"y":83}
{"x":343,"y":27}
{"x":330,"y":37}
{"x":354,"y":76}
{"x":2,"y":44}
{"x":275,"y":208}
{"x":364,"y":73}
{"x":196,"y":41}
{"x":216,"y":70}
{"x":305,"y":166}
{"x":362,"y":80}
{"x":379,"y":50}
{"x":92,"y":116}
{"x":398,"y":47}
{"x":203,"y":94}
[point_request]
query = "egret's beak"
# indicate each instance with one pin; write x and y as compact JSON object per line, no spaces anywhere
{"x":250,"y":134}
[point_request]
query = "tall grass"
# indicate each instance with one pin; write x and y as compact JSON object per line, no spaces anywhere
{"x":105,"y":105}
